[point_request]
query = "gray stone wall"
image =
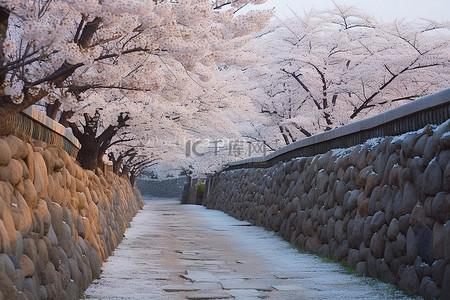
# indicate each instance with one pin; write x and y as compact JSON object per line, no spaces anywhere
{"x":165,"y":188}
{"x":382,"y":207}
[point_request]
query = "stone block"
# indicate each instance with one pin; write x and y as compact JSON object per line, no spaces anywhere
{"x":322,"y":182}
{"x":432,"y":179}
{"x":409,"y":280}
{"x":6,"y":265}
{"x":30,"y":194}
{"x":438,"y":271}
{"x":446,"y":287}
{"x":339,"y":231}
{"x":16,"y":170}
{"x":367,"y":232}
{"x":419,"y":147}
{"x":21,"y":214}
{"x":422,"y":268}
{"x":18,"y":147}
{"x":355,"y":236}
{"x":403,"y":223}
{"x":447,"y":241}
{"x":29,"y":286}
{"x":338,"y":213}
{"x":389,"y":253}
{"x":30,"y":161}
{"x":371,"y":263}
{"x":363,"y":205}
{"x":384,"y":271}
{"x":27,"y":265}
{"x":446,"y":178}
{"x":405,"y":200}
{"x":440,"y":206}
{"x":429,"y":152}
{"x":72,"y":291}
{"x":312,"y":244}
{"x":377,"y":245}
{"x":5,"y":173}
{"x":393,"y":229}
{"x":5,"y":244}
{"x":323,"y":250}
{"x":390,"y":164}
{"x":428,"y":289}
{"x":418,"y":217}
{"x":7,"y":288}
{"x":378,"y":221}
{"x":361,"y":268}
{"x":5,"y":153}
{"x":425,"y":249}
{"x":412,"y":244}
{"x":353,"y":257}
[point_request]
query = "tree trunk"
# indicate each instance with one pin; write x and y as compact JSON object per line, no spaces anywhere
{"x":283,"y":133}
{"x":133,"y":178}
{"x":52,"y":109}
{"x":4,"y":19}
{"x":88,"y":154}
{"x":93,"y":147}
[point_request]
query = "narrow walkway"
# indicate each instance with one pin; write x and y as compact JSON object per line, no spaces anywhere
{"x":175,"y":251}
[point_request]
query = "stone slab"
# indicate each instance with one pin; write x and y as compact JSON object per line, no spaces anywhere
{"x":248,"y":294}
{"x":242,"y":284}
{"x":288,"y":287}
{"x":194,"y":275}
{"x":180,"y":288}
{"x":209,"y":294}
{"x":203,"y":261}
{"x":191,"y":287}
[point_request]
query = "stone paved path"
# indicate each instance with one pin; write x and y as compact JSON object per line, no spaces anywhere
{"x":175,"y":251}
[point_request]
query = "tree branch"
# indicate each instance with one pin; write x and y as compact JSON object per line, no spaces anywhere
{"x":89,"y":30}
{"x":297,"y":78}
{"x":302,"y":130}
{"x":364,"y":105}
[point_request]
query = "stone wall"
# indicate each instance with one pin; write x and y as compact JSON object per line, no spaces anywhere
{"x":58,"y":222}
{"x":162,"y":188}
{"x":382,"y":207}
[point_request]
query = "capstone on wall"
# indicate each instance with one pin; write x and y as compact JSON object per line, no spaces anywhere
{"x":58,"y":222}
{"x":382,"y":207}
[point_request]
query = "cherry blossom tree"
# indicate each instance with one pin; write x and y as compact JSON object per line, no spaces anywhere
{"x":77,"y":45}
{"x":80,"y":56}
{"x":329,"y":68}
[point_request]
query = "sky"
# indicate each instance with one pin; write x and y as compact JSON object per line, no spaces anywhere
{"x":383,"y":10}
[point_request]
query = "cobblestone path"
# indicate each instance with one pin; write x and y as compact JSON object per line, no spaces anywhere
{"x":175,"y":251}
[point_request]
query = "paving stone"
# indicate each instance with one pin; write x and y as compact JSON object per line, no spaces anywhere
{"x":192,"y":287}
{"x":180,"y":288}
{"x":288,"y":287}
{"x":195,"y":275}
{"x":199,"y":262}
{"x":198,"y":256}
{"x":248,"y":294}
{"x":209,"y":294}
{"x":290,"y":276}
{"x":234,"y":284}
{"x":214,"y":262}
